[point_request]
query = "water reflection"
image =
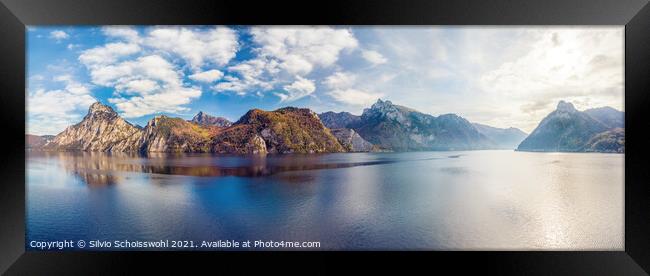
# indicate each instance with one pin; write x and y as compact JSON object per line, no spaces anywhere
{"x":96,"y":168}
{"x":481,"y":200}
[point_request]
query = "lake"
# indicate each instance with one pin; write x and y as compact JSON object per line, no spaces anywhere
{"x":465,"y":200}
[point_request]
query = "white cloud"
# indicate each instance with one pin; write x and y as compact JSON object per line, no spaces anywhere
{"x":140,"y":67}
{"x":354,"y":96}
{"x":217,"y":45}
{"x":299,"y":50}
{"x":374,"y":57}
{"x":146,"y":85}
{"x":59,"y":35}
{"x":340,"y":80}
{"x":282,"y":53}
{"x":169,"y":99}
{"x":107,"y":54}
{"x":151,"y":67}
{"x":252,"y":75}
{"x":581,"y":65}
{"x":51,"y":111}
{"x":499,"y":76}
{"x":141,"y":86}
{"x":341,"y":88}
{"x":122,"y":32}
{"x":298,"y":89}
{"x":207,"y":76}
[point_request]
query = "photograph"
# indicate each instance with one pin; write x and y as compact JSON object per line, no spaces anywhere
{"x":324,"y":138}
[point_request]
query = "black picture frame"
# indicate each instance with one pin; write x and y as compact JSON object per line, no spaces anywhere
{"x":634,"y":14}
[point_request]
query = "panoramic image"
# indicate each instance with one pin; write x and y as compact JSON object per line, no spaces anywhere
{"x":324,"y":138}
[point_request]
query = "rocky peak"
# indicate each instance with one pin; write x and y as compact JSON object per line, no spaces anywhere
{"x":386,"y":109}
{"x":380,"y":107}
{"x":98,"y":107}
{"x":99,"y":112}
{"x":565,"y":107}
{"x":199,"y":116}
{"x":202,"y":118}
{"x":102,"y":129}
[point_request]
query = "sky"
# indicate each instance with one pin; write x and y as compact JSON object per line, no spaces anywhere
{"x":500,"y":76}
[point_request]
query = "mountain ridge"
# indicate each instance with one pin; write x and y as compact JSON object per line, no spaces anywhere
{"x":567,"y":129}
{"x":286,"y":130}
{"x":383,"y":126}
{"x":209,"y":120}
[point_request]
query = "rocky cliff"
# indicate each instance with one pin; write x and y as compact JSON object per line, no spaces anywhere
{"x":286,"y":130}
{"x":102,"y":129}
{"x":351,"y":140}
{"x":570,"y":130}
{"x":338,"y":120}
{"x":165,"y":134}
{"x":208,"y":120}
{"x":399,"y":128}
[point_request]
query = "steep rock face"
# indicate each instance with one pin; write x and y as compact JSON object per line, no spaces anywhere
{"x":350,"y":140}
{"x":100,"y":130}
{"x":338,"y":120}
{"x":165,"y":134}
{"x":502,"y":138}
{"x":208,"y":120}
{"x":400,"y":128}
{"x":239,"y":139}
{"x":568,"y":129}
{"x":286,"y":130}
{"x":612,"y":141}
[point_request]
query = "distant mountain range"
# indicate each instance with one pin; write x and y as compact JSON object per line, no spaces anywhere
{"x":399,"y":128}
{"x":502,"y":138}
{"x":570,"y":130}
{"x":382,"y":127}
{"x":35,"y":141}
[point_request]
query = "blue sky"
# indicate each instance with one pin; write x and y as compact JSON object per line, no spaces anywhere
{"x":501,"y":76}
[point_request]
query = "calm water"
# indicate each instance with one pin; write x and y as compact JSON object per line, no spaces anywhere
{"x":475,"y":200}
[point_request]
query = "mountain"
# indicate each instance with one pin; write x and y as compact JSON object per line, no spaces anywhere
{"x":35,"y":141}
{"x":165,"y":134}
{"x":383,"y":126}
{"x":286,"y":130}
{"x":502,"y":138}
{"x":351,"y":141}
{"x":102,"y":129}
{"x":610,"y":117}
{"x":399,"y":128}
{"x":338,"y":120}
{"x":570,"y":130}
{"x":208,"y":120}
{"x":609,"y":141}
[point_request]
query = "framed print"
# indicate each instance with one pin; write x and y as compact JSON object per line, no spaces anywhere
{"x":507,"y":134}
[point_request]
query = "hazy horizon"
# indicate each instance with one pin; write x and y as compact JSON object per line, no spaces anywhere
{"x":498,"y":76}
